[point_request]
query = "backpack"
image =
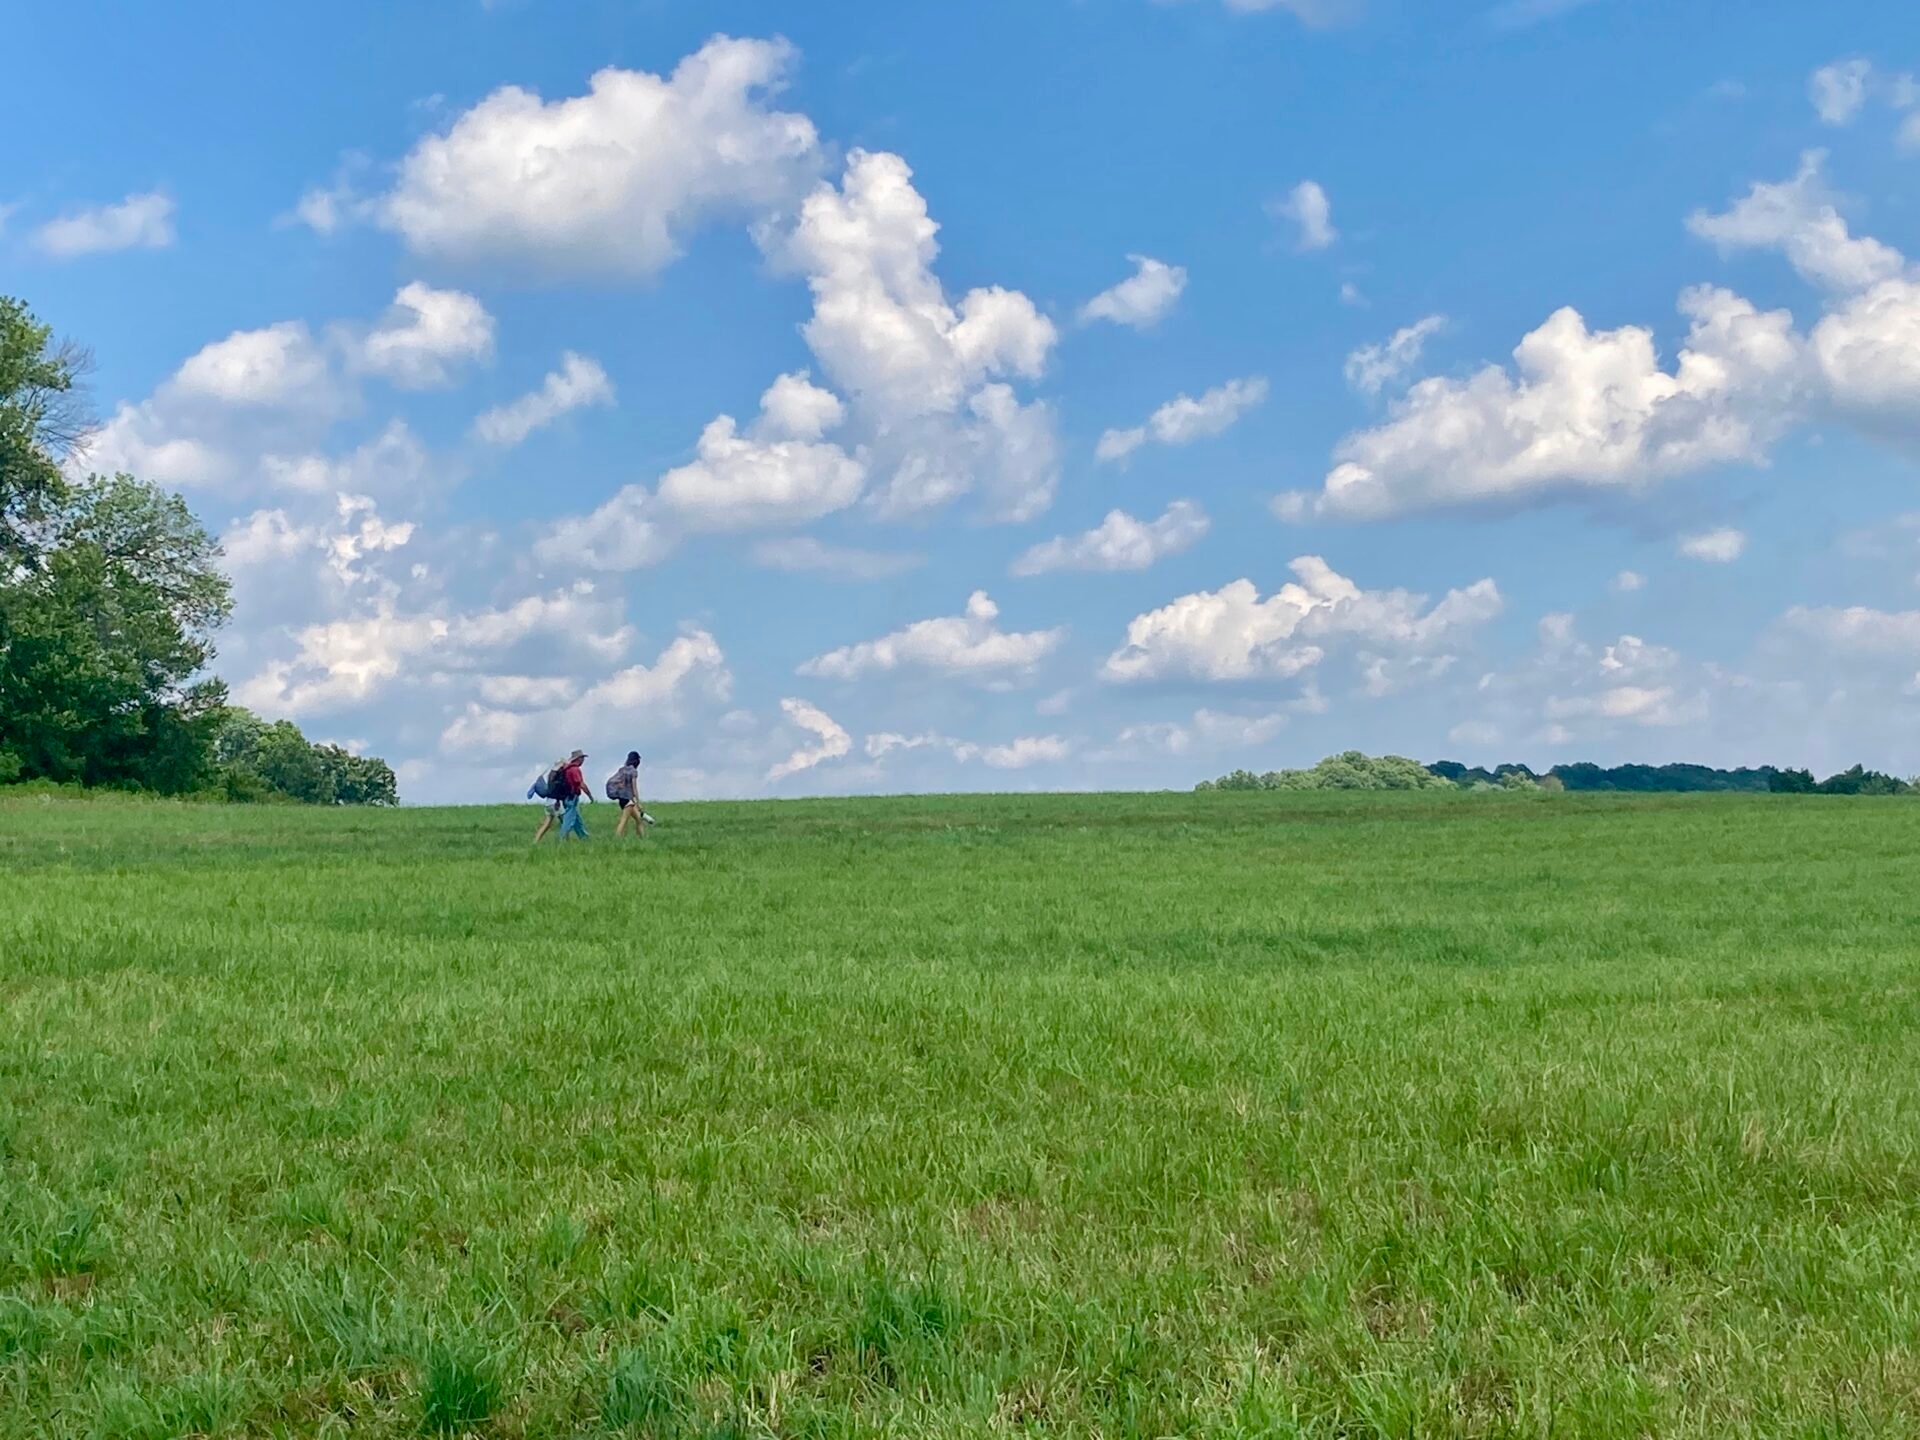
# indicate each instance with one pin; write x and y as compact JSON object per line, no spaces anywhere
{"x":620,"y":784}
{"x":553,"y":785}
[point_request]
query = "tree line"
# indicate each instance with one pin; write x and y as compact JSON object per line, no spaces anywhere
{"x":1356,"y":771}
{"x":111,"y":594}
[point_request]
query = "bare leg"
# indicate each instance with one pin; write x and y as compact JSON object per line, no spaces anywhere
{"x":546,"y":824}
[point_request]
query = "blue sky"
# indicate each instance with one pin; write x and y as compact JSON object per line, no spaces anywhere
{"x":1120,"y":392}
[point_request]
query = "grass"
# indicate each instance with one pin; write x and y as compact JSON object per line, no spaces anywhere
{"x":1176,"y":1115}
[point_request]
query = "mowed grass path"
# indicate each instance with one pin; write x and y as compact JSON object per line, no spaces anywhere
{"x":1174,"y":1115}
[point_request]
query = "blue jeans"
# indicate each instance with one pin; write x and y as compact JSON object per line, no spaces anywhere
{"x":570,"y":819}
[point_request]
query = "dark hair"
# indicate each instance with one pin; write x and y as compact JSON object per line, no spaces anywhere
{"x":633,"y":757}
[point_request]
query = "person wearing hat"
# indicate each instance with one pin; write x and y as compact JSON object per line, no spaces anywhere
{"x":564,"y":791}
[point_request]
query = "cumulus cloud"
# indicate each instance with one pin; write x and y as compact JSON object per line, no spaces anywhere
{"x":881,"y":325}
{"x":1183,"y":419}
{"x":426,"y":337}
{"x":1590,"y":412}
{"x":690,"y":675}
{"x":1309,"y":210}
{"x":578,"y":382}
{"x":266,"y":541}
{"x":223,"y":419}
{"x":608,"y":183}
{"x":804,"y":555}
{"x":1372,"y":368}
{"x":1798,"y":218}
{"x":1120,"y":542}
{"x":1143,"y":299}
{"x":929,"y":381}
{"x":1233,"y":634}
{"x":1839,"y":90}
{"x":777,"y":474}
{"x":139,"y":222}
{"x":1716,"y":547}
{"x":277,"y":365}
{"x":349,"y":660}
{"x":1583,"y":411}
{"x":1570,"y":692}
{"x":832,"y":743}
{"x":969,"y":645}
{"x":1868,"y":353}
{"x":1628,"y":581}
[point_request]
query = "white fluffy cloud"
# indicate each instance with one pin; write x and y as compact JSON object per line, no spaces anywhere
{"x":1120,"y":542}
{"x":1798,"y":218}
{"x":1839,"y":90}
{"x":256,"y":409}
{"x":349,"y":660}
{"x":1311,"y":213}
{"x":578,"y":382}
{"x":831,"y":742}
{"x":881,"y":325}
{"x":1183,"y":419}
{"x":688,"y":676}
{"x":139,"y":222}
{"x":219,"y":421}
{"x":1628,"y":581}
{"x":929,"y":381}
{"x":427,"y":336}
{"x":1583,"y":411}
{"x":1716,"y":547}
{"x":1233,"y":634}
{"x":264,"y":543}
{"x":969,"y":645}
{"x":759,"y":481}
{"x":776,"y":475}
{"x":278,"y":365}
{"x":1143,"y":299}
{"x":1571,"y":693}
{"x":612,"y":182}
{"x":1372,"y":368}
{"x":1868,"y":352}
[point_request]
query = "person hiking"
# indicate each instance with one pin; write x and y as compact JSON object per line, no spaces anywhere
{"x":623,"y":786}
{"x":565,"y":786}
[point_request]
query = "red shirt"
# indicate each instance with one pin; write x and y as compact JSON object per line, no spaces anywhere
{"x":576,"y":782}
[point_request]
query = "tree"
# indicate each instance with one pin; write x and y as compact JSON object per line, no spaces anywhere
{"x":42,"y":421}
{"x":102,"y":634}
{"x":256,"y":760}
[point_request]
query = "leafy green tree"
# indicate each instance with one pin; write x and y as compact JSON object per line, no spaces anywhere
{"x":102,"y":636}
{"x":1351,"y":770}
{"x":261,"y":761}
{"x":42,"y":420}
{"x":358,"y":779}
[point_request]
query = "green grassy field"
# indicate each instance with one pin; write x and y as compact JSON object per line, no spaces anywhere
{"x":1170,"y":1115}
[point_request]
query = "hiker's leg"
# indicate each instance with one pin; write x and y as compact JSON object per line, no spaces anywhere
{"x":546,"y":824}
